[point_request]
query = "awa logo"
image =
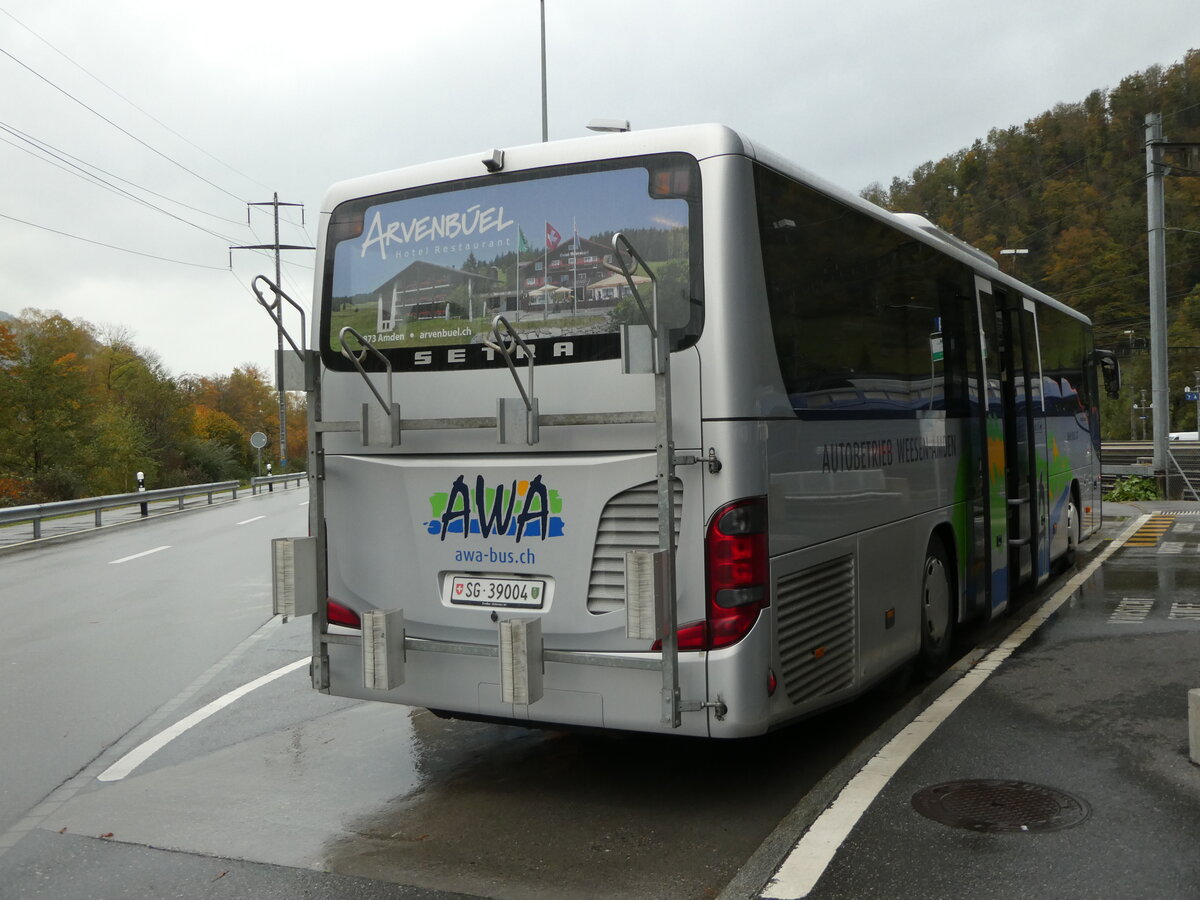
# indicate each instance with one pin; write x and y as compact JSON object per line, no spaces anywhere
{"x":520,"y":509}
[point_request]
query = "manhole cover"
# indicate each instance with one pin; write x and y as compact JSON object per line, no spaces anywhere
{"x":1000,"y":806}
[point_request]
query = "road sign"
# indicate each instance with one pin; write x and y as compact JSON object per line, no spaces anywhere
{"x":258,"y":440}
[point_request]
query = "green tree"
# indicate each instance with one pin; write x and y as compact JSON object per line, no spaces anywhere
{"x":138,"y":383}
{"x":45,"y":388}
{"x":118,"y":450}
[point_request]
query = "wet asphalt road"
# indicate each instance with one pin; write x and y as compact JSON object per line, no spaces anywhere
{"x":287,"y":793}
{"x":284,"y":784}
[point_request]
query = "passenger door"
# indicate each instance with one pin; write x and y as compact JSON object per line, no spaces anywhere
{"x":1021,"y":389}
{"x":990,"y":420}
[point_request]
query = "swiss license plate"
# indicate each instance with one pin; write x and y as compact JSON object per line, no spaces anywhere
{"x":482,"y":590}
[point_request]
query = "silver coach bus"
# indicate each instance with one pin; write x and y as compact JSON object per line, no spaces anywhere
{"x":656,"y":431}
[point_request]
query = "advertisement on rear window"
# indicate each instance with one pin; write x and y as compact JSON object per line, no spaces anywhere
{"x":424,"y":276}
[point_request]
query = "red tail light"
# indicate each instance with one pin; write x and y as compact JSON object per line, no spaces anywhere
{"x":735,"y":551}
{"x":339,"y":614}
{"x":736,"y":567}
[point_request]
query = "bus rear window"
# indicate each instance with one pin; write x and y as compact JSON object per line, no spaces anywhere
{"x":421,"y":274}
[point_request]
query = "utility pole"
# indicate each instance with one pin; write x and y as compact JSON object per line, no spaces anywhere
{"x":1155,"y":230}
{"x":1156,"y":227}
{"x":275,"y":204}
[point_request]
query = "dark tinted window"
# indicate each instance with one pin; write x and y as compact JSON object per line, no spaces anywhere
{"x":866,"y":319}
{"x":1066,"y":349}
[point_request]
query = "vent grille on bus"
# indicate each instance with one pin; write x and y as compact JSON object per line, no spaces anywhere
{"x":816,"y":629}
{"x":629,"y":522}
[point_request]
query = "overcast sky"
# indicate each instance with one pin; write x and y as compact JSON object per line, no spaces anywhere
{"x":234,"y":101}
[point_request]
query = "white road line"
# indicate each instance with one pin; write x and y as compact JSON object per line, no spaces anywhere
{"x":1131,"y":611}
{"x":125,"y":559}
{"x":248,"y":521}
{"x":146,"y":749}
{"x":814,"y":852}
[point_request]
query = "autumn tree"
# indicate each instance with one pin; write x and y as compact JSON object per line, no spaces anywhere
{"x":82,"y":410}
{"x":45,"y":389}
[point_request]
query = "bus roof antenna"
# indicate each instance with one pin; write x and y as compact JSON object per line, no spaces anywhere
{"x":608,"y":125}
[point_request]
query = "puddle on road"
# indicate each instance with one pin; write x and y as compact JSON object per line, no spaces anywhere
{"x":506,"y":812}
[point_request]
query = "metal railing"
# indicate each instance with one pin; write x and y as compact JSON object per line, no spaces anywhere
{"x":38,"y":512}
{"x":1124,"y":458}
{"x":269,"y":481}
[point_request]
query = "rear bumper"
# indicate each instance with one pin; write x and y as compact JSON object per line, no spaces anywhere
{"x":618,"y":691}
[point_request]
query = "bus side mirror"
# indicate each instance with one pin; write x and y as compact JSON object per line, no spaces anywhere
{"x":1107,"y":361}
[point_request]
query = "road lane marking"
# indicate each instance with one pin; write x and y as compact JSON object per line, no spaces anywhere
{"x":139,"y":754}
{"x":1131,"y":611}
{"x":815,"y":850}
{"x":125,"y":559}
{"x":248,"y":521}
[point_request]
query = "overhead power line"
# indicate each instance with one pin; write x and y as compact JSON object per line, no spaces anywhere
{"x":64,"y":162}
{"x":49,"y":148}
{"x":123,"y":131}
{"x":181,"y":262}
{"x":144,"y":112}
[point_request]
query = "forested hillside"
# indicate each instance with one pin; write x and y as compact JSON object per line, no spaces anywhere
{"x":1069,"y":186}
{"x":82,"y":411}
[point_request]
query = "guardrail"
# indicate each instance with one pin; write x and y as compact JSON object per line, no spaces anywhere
{"x":269,"y":481}
{"x":36,"y":512}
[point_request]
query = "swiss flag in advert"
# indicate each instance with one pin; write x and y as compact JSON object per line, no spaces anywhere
{"x":553,"y":238}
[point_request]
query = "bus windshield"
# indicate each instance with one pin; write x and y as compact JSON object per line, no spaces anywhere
{"x":421,"y":274}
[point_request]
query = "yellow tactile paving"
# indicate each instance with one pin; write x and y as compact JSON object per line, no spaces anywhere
{"x":1151,"y":532}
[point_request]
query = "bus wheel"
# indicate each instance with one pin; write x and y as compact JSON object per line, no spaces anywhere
{"x":1072,"y":534}
{"x":937,"y":610}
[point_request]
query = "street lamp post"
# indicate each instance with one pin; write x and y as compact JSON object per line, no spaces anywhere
{"x":1014,"y":253}
{"x":545,"y":117}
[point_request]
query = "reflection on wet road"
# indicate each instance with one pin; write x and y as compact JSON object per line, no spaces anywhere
{"x":504,"y":812}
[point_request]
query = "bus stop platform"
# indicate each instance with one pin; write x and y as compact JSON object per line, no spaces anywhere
{"x":1052,"y":761}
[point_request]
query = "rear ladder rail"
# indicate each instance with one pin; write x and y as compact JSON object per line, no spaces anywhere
{"x":299,"y":351}
{"x":661,"y":588}
{"x":299,"y":572}
{"x":514,"y":418}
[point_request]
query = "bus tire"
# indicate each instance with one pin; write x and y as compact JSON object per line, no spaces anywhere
{"x":1073,"y":528}
{"x":937,"y":610}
